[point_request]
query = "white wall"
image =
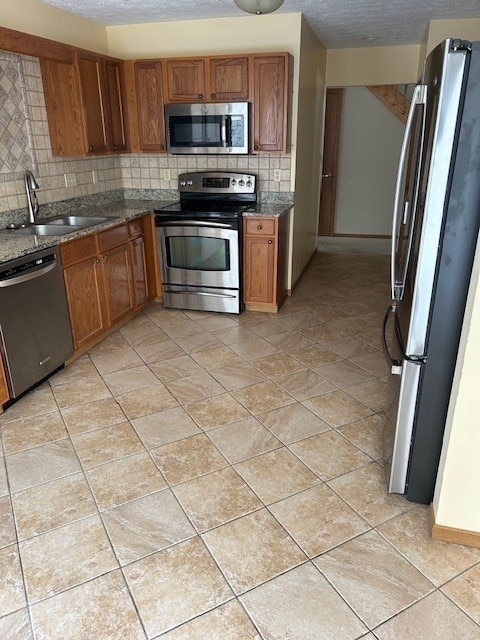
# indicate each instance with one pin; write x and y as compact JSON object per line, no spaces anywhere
{"x":309,"y":145}
{"x":457,"y":492}
{"x":370,"y":141}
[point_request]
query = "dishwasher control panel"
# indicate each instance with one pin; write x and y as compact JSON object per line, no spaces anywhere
{"x":26,"y":266}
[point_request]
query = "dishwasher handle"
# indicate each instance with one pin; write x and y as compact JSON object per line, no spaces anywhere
{"x":25,"y":277}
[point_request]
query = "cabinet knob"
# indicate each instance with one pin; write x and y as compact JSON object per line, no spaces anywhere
{"x":162,"y":146}
{"x":259,"y":226}
{"x":90,"y":148}
{"x":97,"y":261}
{"x":270,"y":242}
{"x":105,"y":257}
{"x":137,"y":228}
{"x":200,"y":95}
{"x":255,"y":146}
{"x":213,"y":95}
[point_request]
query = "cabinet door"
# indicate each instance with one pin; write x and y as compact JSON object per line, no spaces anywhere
{"x":259,"y":269}
{"x":185,"y":80}
{"x":269,"y":103}
{"x":151,"y":120}
{"x":228,"y":79}
{"x":83,"y":284}
{"x":116,"y":113}
{"x":139,"y":270}
{"x":92,"y":86}
{"x":4,"y":395}
{"x":118,"y":283}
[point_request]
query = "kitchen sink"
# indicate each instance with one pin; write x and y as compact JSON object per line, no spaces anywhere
{"x":81,"y":222}
{"x":46,"y":230}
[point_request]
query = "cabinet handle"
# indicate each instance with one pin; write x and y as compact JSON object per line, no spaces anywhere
{"x":259,"y":227}
{"x":200,"y":95}
{"x":270,"y":242}
{"x":213,"y":95}
{"x":255,"y":146}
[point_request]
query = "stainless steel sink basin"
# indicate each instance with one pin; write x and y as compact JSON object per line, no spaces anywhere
{"x":82,"y":222}
{"x":46,"y":230}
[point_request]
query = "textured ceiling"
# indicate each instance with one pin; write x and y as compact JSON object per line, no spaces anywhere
{"x":338,"y":23}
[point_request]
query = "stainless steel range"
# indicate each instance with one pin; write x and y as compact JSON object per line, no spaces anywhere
{"x":199,"y":241}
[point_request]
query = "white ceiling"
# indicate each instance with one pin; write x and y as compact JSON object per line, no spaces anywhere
{"x":338,"y":23}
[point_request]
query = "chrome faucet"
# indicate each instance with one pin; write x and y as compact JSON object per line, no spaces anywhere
{"x":31,"y":185}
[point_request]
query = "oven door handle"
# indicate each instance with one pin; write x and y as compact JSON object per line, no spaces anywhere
{"x":194,"y":223}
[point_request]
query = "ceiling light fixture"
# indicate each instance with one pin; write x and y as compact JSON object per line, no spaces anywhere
{"x":259,"y":6}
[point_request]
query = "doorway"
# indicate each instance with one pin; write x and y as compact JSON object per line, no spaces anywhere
{"x":331,"y":145}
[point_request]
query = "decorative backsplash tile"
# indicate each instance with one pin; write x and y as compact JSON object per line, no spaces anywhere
{"x":16,"y":142}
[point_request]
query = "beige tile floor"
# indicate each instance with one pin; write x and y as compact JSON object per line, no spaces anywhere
{"x":201,"y":476}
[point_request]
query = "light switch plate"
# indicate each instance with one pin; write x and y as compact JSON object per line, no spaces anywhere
{"x":94,"y":177}
{"x":70,"y":180}
{"x":166,"y":174}
{"x":277,"y":175}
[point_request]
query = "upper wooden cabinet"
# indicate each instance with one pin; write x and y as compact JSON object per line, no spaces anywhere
{"x":185,"y":80}
{"x":151,"y":121}
{"x":85,"y":105}
{"x":270,"y":99}
{"x":228,"y":79}
{"x":207,"y":79}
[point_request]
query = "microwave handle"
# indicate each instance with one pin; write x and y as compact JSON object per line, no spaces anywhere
{"x":224,"y":131}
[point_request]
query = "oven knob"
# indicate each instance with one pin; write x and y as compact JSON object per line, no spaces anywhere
{"x":249,"y":183}
{"x":233,"y":182}
{"x":182,"y":183}
{"x":190,"y":182}
{"x":241,"y":183}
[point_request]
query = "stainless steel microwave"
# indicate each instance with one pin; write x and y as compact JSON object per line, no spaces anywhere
{"x":207,"y":128}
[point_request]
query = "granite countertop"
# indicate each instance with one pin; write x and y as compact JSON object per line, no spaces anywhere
{"x":268,"y":210}
{"x":14,"y":245}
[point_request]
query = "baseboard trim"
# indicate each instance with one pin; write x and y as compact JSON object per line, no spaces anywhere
{"x":451,"y":534}
{"x":302,"y":272}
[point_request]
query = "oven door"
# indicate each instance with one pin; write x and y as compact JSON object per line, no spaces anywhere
{"x":198,"y":253}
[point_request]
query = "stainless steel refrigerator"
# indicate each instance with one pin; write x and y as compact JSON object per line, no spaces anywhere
{"x":435,"y":229}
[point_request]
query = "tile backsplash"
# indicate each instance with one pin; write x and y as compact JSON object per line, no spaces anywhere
{"x":100,"y":174}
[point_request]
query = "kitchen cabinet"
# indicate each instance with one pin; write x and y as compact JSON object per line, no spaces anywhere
{"x":228,"y":79}
{"x":136,"y":232}
{"x":4,"y":395}
{"x":264,"y":263}
{"x":185,"y":79}
{"x":208,"y":79}
{"x":82,"y":275}
{"x":105,"y":279}
{"x":85,"y":105}
{"x":270,"y":100}
{"x":150,"y":115}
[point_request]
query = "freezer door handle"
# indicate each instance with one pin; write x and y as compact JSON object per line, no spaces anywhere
{"x":395,"y":365}
{"x":401,"y":207}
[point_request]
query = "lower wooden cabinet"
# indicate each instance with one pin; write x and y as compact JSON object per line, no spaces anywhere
{"x":106,"y":279}
{"x":86,"y":306}
{"x":264,"y":263}
{"x":4,"y":395}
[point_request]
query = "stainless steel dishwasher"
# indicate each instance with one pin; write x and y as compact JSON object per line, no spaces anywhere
{"x":35,"y":335}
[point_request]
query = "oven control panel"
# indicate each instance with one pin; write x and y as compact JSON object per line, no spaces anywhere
{"x":217,"y":182}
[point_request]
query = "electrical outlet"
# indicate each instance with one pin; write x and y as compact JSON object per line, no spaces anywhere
{"x":277,"y":175}
{"x":166,"y":174}
{"x":94,"y":177}
{"x":70,"y":180}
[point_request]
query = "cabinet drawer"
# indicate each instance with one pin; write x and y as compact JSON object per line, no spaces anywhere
{"x":112,"y":237}
{"x":78,"y":250}
{"x":136,"y":228}
{"x":260,"y":227}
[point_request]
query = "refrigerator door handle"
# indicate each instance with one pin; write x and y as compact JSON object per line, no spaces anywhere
{"x":395,"y":365}
{"x":400,"y":206}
